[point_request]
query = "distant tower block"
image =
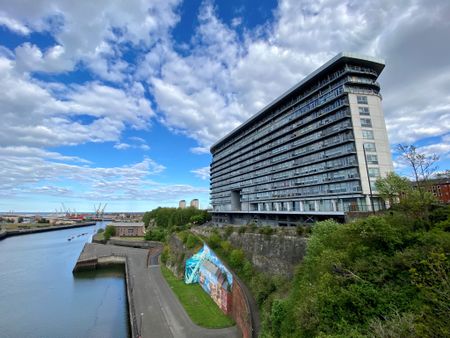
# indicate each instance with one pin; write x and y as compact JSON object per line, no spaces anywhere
{"x":195,"y":203}
{"x":182,"y":204}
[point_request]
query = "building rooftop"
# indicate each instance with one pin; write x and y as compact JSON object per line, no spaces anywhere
{"x":343,"y":57}
{"x":127,"y":224}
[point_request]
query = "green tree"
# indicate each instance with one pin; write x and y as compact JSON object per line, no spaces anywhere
{"x":391,"y":187}
{"x":110,"y":231}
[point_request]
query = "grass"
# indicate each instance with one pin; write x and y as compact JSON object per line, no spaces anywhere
{"x":130,"y":238}
{"x":199,"y":306}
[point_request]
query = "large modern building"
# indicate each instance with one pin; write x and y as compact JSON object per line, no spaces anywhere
{"x":312,"y":153}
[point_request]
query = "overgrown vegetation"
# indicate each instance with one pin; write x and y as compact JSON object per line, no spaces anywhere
{"x":109,"y":232}
{"x":381,"y":276}
{"x":175,"y":217}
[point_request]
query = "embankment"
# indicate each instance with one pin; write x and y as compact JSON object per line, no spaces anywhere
{"x":10,"y":233}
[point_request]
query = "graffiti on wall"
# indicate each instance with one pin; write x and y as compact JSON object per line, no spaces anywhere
{"x":208,"y":270}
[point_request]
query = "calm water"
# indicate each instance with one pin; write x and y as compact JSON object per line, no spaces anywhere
{"x":40,"y":297}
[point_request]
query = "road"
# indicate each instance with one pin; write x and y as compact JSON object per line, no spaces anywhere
{"x":163,"y":314}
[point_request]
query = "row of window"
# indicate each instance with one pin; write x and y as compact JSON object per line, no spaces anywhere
{"x":301,"y":96}
{"x":279,"y":140}
{"x":308,"y":155}
{"x":310,"y":138}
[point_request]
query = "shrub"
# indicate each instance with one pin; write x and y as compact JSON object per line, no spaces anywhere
{"x":192,"y":241}
{"x":109,"y":232}
{"x":237,"y":258}
{"x":155,"y":234}
{"x":242,"y":230}
{"x":214,"y":241}
{"x":266,"y":230}
{"x":99,"y":231}
{"x":228,"y":231}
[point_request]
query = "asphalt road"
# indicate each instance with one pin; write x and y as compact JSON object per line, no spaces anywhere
{"x":163,"y":315}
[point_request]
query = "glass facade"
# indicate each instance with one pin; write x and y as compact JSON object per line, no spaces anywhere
{"x":299,"y":154}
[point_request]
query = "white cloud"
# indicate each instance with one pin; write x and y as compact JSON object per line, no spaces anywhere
{"x":13,"y":25}
{"x":240,"y":75}
{"x":40,"y":114}
{"x":25,"y":169}
{"x":121,"y":146}
{"x":202,"y":173}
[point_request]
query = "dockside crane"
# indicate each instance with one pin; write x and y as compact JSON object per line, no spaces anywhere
{"x":103,"y":210}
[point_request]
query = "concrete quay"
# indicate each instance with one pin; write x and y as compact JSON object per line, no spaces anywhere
{"x":9,"y":233}
{"x":155,"y":311}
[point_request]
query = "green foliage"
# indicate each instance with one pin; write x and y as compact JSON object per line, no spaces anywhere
{"x":228,"y":231}
{"x":192,"y":241}
{"x":266,"y":230}
{"x":392,"y":186}
{"x":109,"y":232}
{"x":214,"y":241}
{"x":379,"y":276}
{"x":165,"y":254}
{"x":237,"y":259}
{"x":175,"y":217}
{"x":242,"y":230}
{"x":155,"y":234}
{"x":99,"y":231}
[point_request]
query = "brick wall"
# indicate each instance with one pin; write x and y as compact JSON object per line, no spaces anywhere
{"x":241,"y":310}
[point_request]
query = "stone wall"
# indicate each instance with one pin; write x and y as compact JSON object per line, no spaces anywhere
{"x":274,"y":254}
{"x":178,"y":253}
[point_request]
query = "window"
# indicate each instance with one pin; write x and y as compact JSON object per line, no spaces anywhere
{"x":366,"y":123}
{"x":367,"y":134}
{"x":369,"y":146}
{"x":361,"y":99}
{"x":374,"y":172}
{"x":364,"y":111}
{"x":372,"y":159}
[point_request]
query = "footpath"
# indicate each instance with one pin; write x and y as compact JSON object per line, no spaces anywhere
{"x":155,"y":311}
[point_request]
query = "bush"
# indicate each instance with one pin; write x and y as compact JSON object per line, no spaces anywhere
{"x":156,"y":234}
{"x":99,"y":231}
{"x":237,"y":259}
{"x":110,"y":231}
{"x":165,"y":254}
{"x":228,"y":231}
{"x":266,"y":230}
{"x":214,"y":241}
{"x":192,"y":241}
{"x":242,"y":230}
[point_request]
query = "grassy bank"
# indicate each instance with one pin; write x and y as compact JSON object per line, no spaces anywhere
{"x":199,"y":306}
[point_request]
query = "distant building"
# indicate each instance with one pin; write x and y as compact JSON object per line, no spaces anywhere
{"x":440,"y":188}
{"x":195,"y":204}
{"x":182,"y":204}
{"x":127,"y":229}
{"x":313,"y":153}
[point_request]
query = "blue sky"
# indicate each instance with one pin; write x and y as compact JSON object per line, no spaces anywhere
{"x":119,"y":101}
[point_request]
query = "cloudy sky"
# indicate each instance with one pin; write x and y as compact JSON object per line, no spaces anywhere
{"x":119,"y":101}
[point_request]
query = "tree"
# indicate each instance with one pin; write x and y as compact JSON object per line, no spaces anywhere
{"x":109,"y":232}
{"x":423,"y":166}
{"x":391,"y":187}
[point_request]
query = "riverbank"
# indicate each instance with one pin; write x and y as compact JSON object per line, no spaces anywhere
{"x":10,"y":233}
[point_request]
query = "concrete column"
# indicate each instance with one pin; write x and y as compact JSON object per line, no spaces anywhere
{"x":301,"y":206}
{"x":334,"y":205}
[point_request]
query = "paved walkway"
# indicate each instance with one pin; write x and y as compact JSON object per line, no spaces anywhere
{"x":164,"y":316}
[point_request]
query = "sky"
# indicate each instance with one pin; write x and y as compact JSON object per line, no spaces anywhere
{"x":119,"y":101}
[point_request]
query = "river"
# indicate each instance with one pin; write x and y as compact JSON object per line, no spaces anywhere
{"x":40,"y":297}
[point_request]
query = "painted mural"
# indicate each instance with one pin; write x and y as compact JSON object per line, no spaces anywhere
{"x":207,"y":269}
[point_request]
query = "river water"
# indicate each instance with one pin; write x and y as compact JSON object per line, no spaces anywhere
{"x":40,"y":297}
